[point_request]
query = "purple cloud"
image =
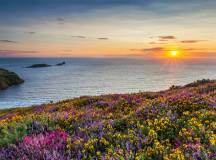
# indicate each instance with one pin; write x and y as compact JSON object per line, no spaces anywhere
{"x":7,"y":41}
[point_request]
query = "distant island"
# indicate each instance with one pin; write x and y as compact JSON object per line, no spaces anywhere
{"x":8,"y":78}
{"x":178,"y":123}
{"x":41,"y":65}
{"x":61,"y":64}
{"x":38,"y":66}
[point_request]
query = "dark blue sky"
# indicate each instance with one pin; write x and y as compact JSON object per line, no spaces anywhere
{"x":15,"y":10}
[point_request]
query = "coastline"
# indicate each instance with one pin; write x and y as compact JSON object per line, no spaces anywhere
{"x":95,"y":77}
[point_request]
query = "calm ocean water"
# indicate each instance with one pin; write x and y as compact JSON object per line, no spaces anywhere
{"x":92,"y":76}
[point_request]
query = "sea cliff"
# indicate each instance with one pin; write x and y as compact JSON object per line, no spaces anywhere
{"x":8,"y":78}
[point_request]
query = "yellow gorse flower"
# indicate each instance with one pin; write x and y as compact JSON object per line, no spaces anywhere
{"x":212,"y":139}
{"x":176,"y":154}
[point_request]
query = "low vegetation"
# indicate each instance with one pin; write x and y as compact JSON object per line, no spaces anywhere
{"x":176,"y":124}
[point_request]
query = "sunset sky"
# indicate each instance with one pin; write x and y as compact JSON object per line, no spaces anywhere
{"x":112,"y":28}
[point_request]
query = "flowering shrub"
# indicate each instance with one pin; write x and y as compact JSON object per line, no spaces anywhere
{"x":176,"y":124}
{"x":48,"y":145}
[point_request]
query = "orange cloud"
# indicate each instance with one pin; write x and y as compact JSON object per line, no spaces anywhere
{"x":191,"y":41}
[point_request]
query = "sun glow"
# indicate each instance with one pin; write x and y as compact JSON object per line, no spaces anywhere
{"x":173,"y":54}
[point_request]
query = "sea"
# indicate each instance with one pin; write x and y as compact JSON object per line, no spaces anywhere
{"x":97,"y":76}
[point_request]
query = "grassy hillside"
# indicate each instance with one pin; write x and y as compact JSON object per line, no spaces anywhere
{"x":179,"y":123}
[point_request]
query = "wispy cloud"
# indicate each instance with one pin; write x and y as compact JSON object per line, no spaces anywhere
{"x":159,"y":49}
{"x":60,"y":19}
{"x":7,"y":41}
{"x":157,"y":43}
{"x":166,"y":38}
{"x":193,"y":49}
{"x":154,"y":49}
{"x":15,"y":52}
{"x":31,"y":32}
{"x":103,"y":38}
{"x":191,"y":41}
{"x":79,"y":36}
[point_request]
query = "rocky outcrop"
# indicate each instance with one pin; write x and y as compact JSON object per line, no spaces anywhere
{"x":8,"y":78}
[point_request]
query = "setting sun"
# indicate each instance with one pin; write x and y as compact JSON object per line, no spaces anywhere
{"x":174,"y":53}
